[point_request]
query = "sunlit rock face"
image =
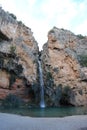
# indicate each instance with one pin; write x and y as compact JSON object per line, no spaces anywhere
{"x":18,"y":57}
{"x":64,"y":64}
{"x":65,"y":75}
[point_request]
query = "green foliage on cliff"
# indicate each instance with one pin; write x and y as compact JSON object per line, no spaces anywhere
{"x":51,"y":31}
{"x":9,"y":63}
{"x":13,"y":16}
{"x":49,"y":75}
{"x":12,"y":49}
{"x":49,"y":80}
{"x":15,"y":72}
{"x":1,"y":61}
{"x":12,"y":79}
{"x":12,"y":67}
{"x":12,"y":101}
{"x":80,"y":36}
{"x":83,"y":60}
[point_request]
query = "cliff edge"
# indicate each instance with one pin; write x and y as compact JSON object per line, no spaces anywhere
{"x":18,"y":57}
{"x":65,"y":72}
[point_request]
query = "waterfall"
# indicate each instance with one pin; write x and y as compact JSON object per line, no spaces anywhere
{"x":42,"y":102}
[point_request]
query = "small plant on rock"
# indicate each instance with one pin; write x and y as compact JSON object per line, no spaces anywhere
{"x":12,"y":49}
{"x":83,"y":60}
{"x":13,"y":16}
{"x":80,"y":36}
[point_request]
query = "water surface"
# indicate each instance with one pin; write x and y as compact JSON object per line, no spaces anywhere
{"x":48,"y":112}
{"x":58,"y":112}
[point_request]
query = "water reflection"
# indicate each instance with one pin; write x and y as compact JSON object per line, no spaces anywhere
{"x":48,"y":112}
{"x":58,"y":112}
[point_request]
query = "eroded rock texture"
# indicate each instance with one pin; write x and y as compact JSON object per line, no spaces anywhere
{"x":64,"y":71}
{"x":18,"y":58}
{"x":64,"y":63}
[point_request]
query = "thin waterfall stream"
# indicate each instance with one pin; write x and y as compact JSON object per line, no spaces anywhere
{"x":42,"y":102}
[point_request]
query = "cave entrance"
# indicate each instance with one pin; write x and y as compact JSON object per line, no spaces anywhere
{"x":3,"y":37}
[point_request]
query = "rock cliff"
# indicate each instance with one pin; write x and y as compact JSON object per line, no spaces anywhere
{"x":18,"y":57}
{"x":65,"y":68}
{"x":64,"y":64}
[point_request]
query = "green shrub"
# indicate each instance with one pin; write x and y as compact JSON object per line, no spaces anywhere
{"x":80,"y":36}
{"x":10,"y":64}
{"x":12,"y":49}
{"x":49,"y":75}
{"x":19,"y":69}
{"x":49,"y":80}
{"x":13,"y":16}
{"x":83,"y":60}
{"x":62,"y":29}
{"x":12,"y":79}
{"x":51,"y":31}
{"x":20,"y":22}
{"x":12,"y":101}
{"x":1,"y":62}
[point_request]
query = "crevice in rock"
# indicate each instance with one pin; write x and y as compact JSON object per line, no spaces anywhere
{"x":3,"y":37}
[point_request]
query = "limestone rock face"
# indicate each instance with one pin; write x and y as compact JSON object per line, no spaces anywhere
{"x":18,"y":56}
{"x":81,"y":46}
{"x":62,"y":69}
{"x":82,"y":56}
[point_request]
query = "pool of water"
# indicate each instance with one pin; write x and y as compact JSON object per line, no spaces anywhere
{"x":48,"y":112}
{"x":57,"y":112}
